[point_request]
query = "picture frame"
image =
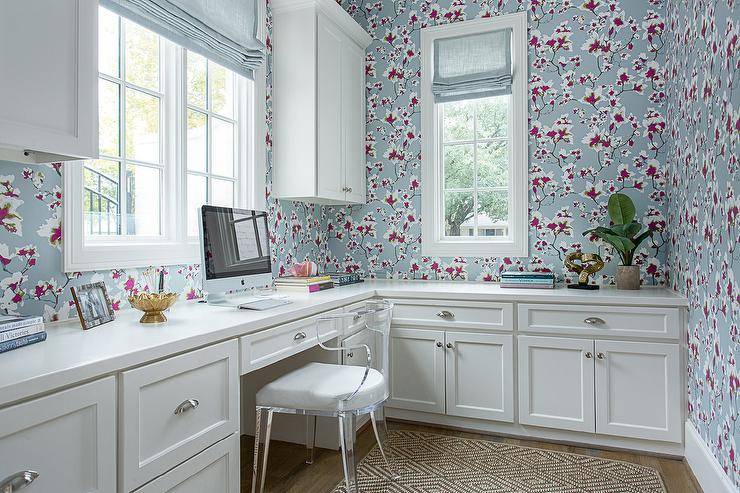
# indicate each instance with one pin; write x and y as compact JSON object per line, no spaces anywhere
{"x":93,"y":304}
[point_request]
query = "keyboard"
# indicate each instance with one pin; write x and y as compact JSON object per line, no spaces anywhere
{"x":264,"y":304}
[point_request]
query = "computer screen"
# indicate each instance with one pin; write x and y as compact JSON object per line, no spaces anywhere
{"x":235,"y":242}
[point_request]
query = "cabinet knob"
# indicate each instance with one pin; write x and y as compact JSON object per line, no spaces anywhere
{"x":594,"y":321}
{"x":449,"y":345}
{"x":18,"y":481}
{"x":601,"y":355}
{"x":589,"y":355}
{"x":349,"y":189}
{"x":439,"y":344}
{"x":186,"y":406}
{"x":350,"y":355}
{"x":445,"y":314}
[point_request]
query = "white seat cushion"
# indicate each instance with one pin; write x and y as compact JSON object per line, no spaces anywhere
{"x":322,"y":387}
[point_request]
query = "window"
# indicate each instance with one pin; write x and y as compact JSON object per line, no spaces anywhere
{"x":175,"y":131}
{"x":474,"y":162}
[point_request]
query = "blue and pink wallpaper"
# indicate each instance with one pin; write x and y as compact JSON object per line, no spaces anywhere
{"x":597,"y":125}
{"x":703,"y":213}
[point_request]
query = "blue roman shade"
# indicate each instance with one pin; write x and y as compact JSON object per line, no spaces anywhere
{"x":472,"y":66}
{"x":224,"y":31}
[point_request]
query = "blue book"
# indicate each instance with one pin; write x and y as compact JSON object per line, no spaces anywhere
{"x":22,"y":341}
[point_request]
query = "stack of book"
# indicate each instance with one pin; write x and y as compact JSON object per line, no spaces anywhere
{"x":16,"y":332}
{"x":532,"y":280}
{"x":344,"y":278}
{"x":305,"y":284}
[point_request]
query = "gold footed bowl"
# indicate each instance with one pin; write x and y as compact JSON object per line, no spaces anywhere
{"x":153,"y":304}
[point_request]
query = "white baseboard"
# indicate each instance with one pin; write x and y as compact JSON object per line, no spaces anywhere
{"x":704,"y":465}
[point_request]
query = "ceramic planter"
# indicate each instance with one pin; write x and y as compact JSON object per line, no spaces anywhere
{"x":628,"y":277}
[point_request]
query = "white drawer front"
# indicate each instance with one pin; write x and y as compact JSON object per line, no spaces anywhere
{"x":268,"y":346}
{"x":68,"y":438}
{"x":203,"y":384}
{"x":215,"y":470}
{"x":599,"y":320}
{"x":462,"y":315}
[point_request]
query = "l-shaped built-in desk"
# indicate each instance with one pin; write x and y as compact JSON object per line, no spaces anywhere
{"x":129,"y":407}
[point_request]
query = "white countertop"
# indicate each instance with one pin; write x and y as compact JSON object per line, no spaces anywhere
{"x":71,"y":355}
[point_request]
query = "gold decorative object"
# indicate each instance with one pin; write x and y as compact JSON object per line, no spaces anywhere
{"x":585,"y":265}
{"x":153,"y":304}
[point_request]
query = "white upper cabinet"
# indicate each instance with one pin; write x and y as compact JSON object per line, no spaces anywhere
{"x":48,"y":88}
{"x":319,"y":103}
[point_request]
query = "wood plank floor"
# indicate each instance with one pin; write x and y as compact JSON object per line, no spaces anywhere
{"x":287,"y":472}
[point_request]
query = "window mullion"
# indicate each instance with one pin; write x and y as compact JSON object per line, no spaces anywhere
{"x":122,"y":174}
{"x":475,"y":170}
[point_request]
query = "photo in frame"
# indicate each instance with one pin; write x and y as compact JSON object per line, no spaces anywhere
{"x":93,"y":304}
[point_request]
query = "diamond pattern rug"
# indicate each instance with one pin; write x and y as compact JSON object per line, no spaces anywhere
{"x":430,"y":463}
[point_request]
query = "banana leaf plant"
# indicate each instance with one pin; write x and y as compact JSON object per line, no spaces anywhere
{"x":624,"y":233}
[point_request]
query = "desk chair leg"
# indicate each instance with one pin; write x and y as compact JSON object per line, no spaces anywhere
{"x":347,"y":439}
{"x":268,"y":428}
{"x":256,"y":464}
{"x":310,"y":438}
{"x":380,"y":428}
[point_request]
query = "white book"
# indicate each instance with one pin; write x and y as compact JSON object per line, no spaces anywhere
{"x":28,"y":330}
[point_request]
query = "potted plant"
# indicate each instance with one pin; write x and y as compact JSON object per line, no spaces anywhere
{"x":624,"y":235}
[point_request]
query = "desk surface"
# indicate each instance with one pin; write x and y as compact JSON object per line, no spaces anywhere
{"x":71,"y":355}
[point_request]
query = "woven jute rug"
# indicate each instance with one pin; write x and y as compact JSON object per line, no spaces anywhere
{"x":428,"y":463}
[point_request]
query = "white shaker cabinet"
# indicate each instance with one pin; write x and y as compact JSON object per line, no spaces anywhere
{"x":637,"y":392}
{"x":48,"y":88}
{"x":556,"y":382}
{"x":318,"y":103}
{"x":64,"y":442}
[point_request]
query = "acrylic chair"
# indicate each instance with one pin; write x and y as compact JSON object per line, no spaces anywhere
{"x":341,"y":391}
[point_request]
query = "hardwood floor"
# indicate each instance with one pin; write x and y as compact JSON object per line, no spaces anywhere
{"x":287,"y":471}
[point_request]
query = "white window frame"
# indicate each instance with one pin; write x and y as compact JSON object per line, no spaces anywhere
{"x":434,"y":242}
{"x":173,"y":247}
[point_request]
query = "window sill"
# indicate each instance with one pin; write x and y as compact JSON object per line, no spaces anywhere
{"x":108,"y":256}
{"x":480,"y":248}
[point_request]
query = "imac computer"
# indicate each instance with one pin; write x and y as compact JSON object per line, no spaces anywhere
{"x":235,"y":256}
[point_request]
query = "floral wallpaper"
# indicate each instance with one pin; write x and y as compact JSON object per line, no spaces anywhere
{"x":703,"y":196}
{"x":597,"y":105}
{"x":31,"y":235}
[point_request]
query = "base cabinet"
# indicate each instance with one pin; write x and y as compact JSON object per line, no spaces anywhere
{"x":64,"y":442}
{"x":556,"y":382}
{"x":456,"y":373}
{"x":215,"y":470}
{"x":637,"y":392}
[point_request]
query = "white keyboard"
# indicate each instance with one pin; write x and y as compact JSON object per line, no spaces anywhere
{"x":264,"y":304}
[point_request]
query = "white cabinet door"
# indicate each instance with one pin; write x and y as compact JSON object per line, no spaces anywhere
{"x":215,"y":470}
{"x":329,"y":121}
{"x":480,"y":375}
{"x":417,"y":369}
{"x":48,"y":88}
{"x":638,"y":390}
{"x":353,"y":120}
{"x":68,"y":438}
{"x":556,"y":383}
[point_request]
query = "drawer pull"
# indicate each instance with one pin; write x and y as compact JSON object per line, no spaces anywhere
{"x":299,"y":336}
{"x":601,"y":355}
{"x":186,"y":406}
{"x":445,"y":314}
{"x":589,"y":355}
{"x":594,"y":321}
{"x":18,"y":481}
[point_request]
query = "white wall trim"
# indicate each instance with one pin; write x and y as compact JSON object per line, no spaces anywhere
{"x":706,"y":468}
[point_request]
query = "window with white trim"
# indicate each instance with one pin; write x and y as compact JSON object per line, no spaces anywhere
{"x":474,"y":157}
{"x":176,"y":131}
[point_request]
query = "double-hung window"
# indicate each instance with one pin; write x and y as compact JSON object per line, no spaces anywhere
{"x":474,"y":156}
{"x":175,"y":131}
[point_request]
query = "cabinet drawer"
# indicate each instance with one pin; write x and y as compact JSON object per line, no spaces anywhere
{"x":268,"y":346}
{"x":599,"y":320}
{"x":173,"y":409}
{"x":68,"y":438}
{"x":462,"y":315}
{"x":215,"y":470}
